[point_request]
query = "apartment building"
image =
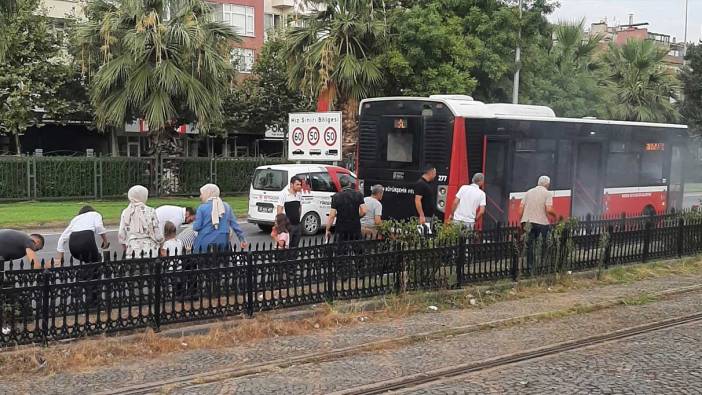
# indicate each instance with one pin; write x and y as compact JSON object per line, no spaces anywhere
{"x":252,"y":20}
{"x":620,"y":34}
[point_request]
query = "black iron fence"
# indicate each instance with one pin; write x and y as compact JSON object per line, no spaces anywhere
{"x":78,"y":299}
{"x":36,"y":178}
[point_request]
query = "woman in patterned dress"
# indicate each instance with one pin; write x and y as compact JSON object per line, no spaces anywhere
{"x":139,"y":230}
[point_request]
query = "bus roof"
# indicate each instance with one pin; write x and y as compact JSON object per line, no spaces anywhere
{"x":465,"y":106}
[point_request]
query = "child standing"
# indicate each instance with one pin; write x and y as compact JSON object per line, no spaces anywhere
{"x":172,"y":246}
{"x":281,"y":231}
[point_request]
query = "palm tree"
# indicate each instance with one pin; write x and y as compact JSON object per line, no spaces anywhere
{"x":332,"y":55}
{"x":166,"y":72}
{"x":641,"y":87}
{"x":573,"y":50}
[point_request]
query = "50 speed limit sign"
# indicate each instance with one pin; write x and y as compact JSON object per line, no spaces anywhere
{"x":313,"y":135}
{"x":330,"y":136}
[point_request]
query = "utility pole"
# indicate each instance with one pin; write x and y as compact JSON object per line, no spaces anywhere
{"x":517,"y":59}
{"x":685,"y":33}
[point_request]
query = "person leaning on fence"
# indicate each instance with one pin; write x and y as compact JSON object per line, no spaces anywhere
{"x":536,"y":209}
{"x":469,"y":205}
{"x":347,"y":207}
{"x":213,"y":221}
{"x":374,"y":213}
{"x":139,"y":230}
{"x":80,"y":235}
{"x":16,"y":245}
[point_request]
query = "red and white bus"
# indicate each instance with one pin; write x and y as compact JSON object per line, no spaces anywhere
{"x":597,"y":167}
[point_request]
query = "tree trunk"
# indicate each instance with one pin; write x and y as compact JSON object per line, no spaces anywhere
{"x":18,"y":146}
{"x":349,"y":114}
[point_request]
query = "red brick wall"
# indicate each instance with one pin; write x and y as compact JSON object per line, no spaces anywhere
{"x":256,"y":42}
{"x":625,"y":35}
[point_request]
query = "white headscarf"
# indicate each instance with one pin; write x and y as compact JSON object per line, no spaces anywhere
{"x":210,"y":192}
{"x":137,"y":195}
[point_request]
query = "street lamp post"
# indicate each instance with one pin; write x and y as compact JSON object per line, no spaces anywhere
{"x":685,"y":32}
{"x":517,"y":59}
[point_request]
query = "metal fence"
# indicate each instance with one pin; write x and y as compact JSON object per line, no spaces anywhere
{"x":47,"y":178}
{"x":76,"y":299}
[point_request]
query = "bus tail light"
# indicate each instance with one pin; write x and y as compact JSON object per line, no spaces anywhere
{"x":442,"y":193}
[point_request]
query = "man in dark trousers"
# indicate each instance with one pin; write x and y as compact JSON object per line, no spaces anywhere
{"x":425,"y":196}
{"x":16,"y":245}
{"x":347,"y":207}
{"x":290,"y":203}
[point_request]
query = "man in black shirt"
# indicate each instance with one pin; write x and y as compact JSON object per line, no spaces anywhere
{"x":347,"y":207}
{"x":290,"y":203}
{"x":16,"y":245}
{"x":425,"y":195}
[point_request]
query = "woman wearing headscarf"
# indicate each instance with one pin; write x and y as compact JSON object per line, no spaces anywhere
{"x":213,"y":220}
{"x":139,"y":229}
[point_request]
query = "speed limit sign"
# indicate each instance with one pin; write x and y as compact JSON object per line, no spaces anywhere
{"x":298,"y":136}
{"x":313,"y":136}
{"x":330,"y":136}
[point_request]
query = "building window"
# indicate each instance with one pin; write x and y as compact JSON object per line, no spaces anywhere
{"x":241,"y":18}
{"x":271,"y":22}
{"x":243,"y":59}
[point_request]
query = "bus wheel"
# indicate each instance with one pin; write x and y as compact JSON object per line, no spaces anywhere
{"x":649,"y":211}
{"x":265,"y":228}
{"x":311,"y":224}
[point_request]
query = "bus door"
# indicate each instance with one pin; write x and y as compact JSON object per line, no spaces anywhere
{"x":587,"y":183}
{"x":496,"y":161}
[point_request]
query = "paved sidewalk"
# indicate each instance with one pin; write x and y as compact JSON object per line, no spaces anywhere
{"x":309,"y":380}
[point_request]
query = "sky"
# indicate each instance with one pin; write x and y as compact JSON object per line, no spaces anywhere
{"x":664,"y":16}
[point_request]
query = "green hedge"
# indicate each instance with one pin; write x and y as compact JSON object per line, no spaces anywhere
{"x":13,"y":179}
{"x":72,"y":177}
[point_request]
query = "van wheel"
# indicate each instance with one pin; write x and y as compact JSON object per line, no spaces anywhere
{"x":265,"y":228}
{"x":311,"y":224}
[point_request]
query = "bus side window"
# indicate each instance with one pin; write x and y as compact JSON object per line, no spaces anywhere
{"x":622,"y":166}
{"x":532,"y":159}
{"x":564,"y":168}
{"x":651,"y":168}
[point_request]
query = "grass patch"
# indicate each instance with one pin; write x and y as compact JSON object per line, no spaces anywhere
{"x":645,"y":271}
{"x":24,"y":215}
{"x":642,"y":299}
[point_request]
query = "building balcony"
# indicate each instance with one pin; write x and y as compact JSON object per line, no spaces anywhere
{"x":282,"y":4}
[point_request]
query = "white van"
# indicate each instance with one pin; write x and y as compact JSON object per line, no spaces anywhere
{"x":319,"y":183}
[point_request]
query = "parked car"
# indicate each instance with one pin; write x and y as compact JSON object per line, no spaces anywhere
{"x":319,"y":183}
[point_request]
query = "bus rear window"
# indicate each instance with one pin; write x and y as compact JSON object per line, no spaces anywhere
{"x":400,"y":143}
{"x":400,"y":140}
{"x":270,"y":179}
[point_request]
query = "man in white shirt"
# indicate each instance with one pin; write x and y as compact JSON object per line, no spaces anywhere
{"x":178,"y":216}
{"x":80,"y":236}
{"x":470,"y":202}
{"x":290,"y":204}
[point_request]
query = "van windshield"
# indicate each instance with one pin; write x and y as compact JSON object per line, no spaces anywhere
{"x":270,"y":179}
